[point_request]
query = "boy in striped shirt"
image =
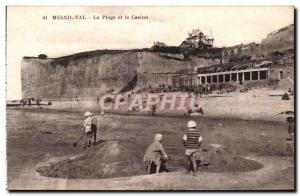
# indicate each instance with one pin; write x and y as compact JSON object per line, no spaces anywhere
{"x":191,"y":141}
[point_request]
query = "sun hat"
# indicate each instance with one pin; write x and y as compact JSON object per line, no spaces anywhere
{"x":191,"y":124}
{"x":88,"y":113}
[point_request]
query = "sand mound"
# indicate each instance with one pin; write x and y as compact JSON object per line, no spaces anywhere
{"x":218,"y":159}
{"x":110,"y":159}
{"x":118,"y":158}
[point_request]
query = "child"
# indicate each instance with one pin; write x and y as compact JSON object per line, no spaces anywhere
{"x":154,"y":155}
{"x":87,"y":128}
{"x":191,"y":141}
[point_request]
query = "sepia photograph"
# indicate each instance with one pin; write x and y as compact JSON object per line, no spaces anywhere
{"x":150,"y":98}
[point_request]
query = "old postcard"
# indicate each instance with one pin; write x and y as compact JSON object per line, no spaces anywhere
{"x":150,"y":98}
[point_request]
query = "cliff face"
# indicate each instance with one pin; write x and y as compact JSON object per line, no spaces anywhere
{"x":82,"y":77}
{"x":280,"y":40}
{"x":95,"y":73}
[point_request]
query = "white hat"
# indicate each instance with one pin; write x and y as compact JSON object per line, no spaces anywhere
{"x":88,"y":113}
{"x":191,"y":124}
{"x":158,"y":137}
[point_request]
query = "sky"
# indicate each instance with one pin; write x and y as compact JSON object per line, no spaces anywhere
{"x":28,"y":34}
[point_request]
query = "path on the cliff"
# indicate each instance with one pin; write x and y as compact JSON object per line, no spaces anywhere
{"x":269,"y":177}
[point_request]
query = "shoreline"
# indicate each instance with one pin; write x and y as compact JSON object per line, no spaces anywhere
{"x":145,"y":115}
{"x":260,"y":104}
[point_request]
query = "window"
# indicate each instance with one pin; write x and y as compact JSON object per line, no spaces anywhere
{"x":280,"y":75}
{"x":247,"y":76}
{"x":233,"y":77}
{"x":215,"y":78}
{"x":203,"y":80}
{"x":263,"y":75}
{"x":220,"y":78}
{"x":227,"y":77}
{"x":255,"y":75}
{"x":209,"y":79}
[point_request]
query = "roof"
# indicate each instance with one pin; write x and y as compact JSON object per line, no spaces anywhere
{"x":234,"y":67}
{"x":242,"y":45}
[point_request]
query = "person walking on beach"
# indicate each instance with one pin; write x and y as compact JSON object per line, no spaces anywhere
{"x":155,"y":155}
{"x":191,"y":141}
{"x":38,"y":102}
{"x":87,"y":129}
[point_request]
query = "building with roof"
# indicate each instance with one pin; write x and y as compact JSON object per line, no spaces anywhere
{"x":197,"y":39}
{"x":251,"y":73}
{"x":242,"y":50}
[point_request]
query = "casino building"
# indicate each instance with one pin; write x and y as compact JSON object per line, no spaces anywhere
{"x":254,"y":73}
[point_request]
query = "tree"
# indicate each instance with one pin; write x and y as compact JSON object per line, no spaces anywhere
{"x":42,"y":56}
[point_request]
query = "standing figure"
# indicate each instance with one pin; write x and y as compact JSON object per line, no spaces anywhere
{"x":38,"y":102}
{"x":155,"y":155}
{"x":87,"y":128}
{"x":153,"y":108}
{"x":209,"y":89}
{"x":191,"y":141}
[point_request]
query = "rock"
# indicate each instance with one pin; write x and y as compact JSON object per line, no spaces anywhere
{"x":89,"y":74}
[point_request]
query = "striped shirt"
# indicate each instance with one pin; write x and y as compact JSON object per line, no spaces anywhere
{"x":192,"y":138}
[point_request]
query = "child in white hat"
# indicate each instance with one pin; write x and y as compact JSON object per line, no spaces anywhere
{"x":87,"y":126}
{"x":192,"y":141}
